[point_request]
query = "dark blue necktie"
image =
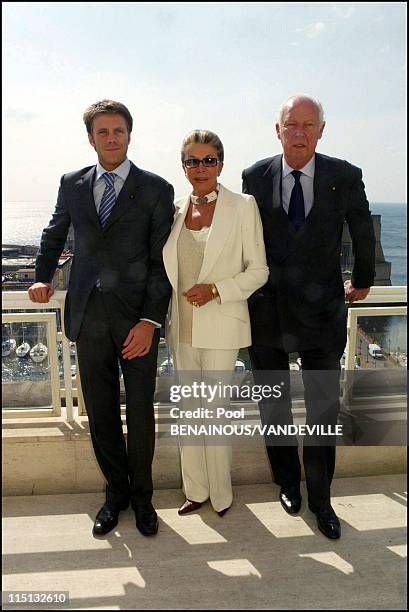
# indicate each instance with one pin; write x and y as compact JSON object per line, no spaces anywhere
{"x":107,"y":203}
{"x":296,"y":210}
{"x":108,"y":198}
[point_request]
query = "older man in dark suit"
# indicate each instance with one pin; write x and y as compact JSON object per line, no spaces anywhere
{"x":117,"y":299}
{"x":304,"y":198}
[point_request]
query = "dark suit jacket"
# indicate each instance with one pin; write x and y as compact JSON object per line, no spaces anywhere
{"x":126,"y":255}
{"x":302,"y":306}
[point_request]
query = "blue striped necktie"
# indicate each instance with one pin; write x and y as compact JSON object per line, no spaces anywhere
{"x":108,"y":198}
{"x":296,"y":209}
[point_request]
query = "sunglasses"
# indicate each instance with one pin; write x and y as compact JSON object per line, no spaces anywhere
{"x":208,"y":162}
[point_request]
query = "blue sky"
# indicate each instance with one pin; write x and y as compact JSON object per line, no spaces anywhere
{"x":221,"y":66}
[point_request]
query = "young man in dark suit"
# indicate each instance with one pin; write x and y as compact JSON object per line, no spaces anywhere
{"x":304,"y":199}
{"x":117,"y":299}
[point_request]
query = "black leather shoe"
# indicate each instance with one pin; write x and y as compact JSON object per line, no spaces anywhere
{"x":328,"y":523}
{"x":107,"y":518}
{"x":189,"y":506}
{"x":290,"y":498}
{"x":223,"y":512}
{"x":146,"y":519}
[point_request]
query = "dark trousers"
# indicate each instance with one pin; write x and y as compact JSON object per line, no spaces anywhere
{"x":126,"y":467}
{"x":321,"y":373}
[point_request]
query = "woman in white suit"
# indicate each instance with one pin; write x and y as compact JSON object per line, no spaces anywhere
{"x":215,"y":259}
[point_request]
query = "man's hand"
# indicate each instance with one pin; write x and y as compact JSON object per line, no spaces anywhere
{"x":40,"y":292}
{"x":352,"y":294}
{"x":139,"y":340}
{"x":199,"y":295}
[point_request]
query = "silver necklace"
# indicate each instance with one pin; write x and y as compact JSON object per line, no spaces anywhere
{"x":207,"y":199}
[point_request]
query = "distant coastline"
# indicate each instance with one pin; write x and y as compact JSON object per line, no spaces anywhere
{"x":393,"y":237}
{"x":23,"y":223}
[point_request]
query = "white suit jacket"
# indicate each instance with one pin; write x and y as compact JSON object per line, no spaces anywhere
{"x":234,"y":260}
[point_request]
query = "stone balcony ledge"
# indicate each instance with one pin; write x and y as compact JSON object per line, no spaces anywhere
{"x":50,"y":455}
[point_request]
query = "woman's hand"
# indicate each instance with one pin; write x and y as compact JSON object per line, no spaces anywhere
{"x":199,"y":295}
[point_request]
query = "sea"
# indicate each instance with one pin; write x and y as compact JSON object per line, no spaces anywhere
{"x":23,"y":223}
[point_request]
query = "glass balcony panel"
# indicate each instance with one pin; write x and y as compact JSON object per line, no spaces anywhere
{"x":29,"y":362}
{"x":68,"y":383}
{"x":381,"y":353}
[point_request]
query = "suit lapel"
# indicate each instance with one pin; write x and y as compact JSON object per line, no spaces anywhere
{"x":271,"y":185}
{"x":220,"y":230}
{"x":86,"y":196}
{"x":221,"y":227}
{"x":324,"y":191}
{"x":170,"y":256}
{"x":273,"y":181}
{"x":126,"y":197}
{"x":324,"y":187}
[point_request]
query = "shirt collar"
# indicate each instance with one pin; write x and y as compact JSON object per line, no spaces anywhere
{"x":308,"y":169}
{"x":122,"y":170}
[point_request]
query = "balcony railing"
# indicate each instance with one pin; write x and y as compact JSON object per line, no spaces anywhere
{"x":58,"y":376}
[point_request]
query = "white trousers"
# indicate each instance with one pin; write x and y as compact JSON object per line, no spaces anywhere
{"x":206,"y":464}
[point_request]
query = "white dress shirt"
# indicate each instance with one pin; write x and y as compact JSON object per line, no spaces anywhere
{"x":307,"y":184}
{"x":121,"y":174}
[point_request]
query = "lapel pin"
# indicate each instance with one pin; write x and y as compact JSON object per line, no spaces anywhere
{"x":132,"y":196}
{"x":333,"y":189}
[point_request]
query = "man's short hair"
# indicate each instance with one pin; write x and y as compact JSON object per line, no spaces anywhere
{"x":104,"y":107}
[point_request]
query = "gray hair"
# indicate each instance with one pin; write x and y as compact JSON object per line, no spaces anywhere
{"x":314,"y":101}
{"x":203,"y":137}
